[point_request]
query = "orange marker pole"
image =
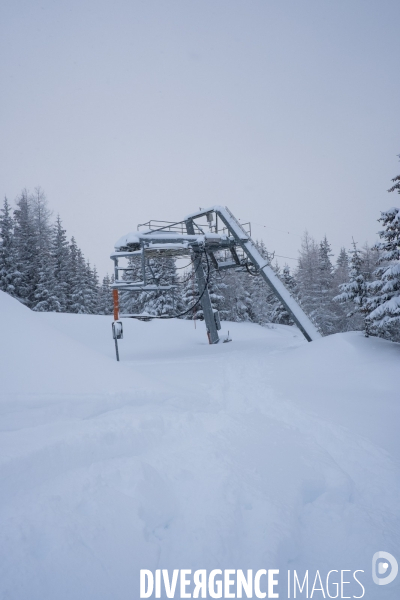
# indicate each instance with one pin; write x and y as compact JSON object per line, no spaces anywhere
{"x":116,"y":304}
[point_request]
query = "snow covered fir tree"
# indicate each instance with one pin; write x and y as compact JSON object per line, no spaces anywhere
{"x":383,"y":302}
{"x":40,"y":267}
{"x":360,"y":290}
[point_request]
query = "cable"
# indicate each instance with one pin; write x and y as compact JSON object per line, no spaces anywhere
{"x":252,"y":273}
{"x":194,"y":305}
{"x":185,"y":266}
{"x":289,"y":257}
{"x":200,"y":297}
{"x":181,"y":314}
{"x":275,"y":229}
{"x":190,"y":276}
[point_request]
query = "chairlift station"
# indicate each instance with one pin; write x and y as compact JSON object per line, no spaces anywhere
{"x":201,"y":235}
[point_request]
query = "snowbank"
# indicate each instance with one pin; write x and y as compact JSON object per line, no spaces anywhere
{"x":264,"y":453}
{"x":39,"y":359}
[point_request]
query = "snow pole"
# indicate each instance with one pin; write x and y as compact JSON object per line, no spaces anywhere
{"x":116,"y":304}
{"x":115,"y":327}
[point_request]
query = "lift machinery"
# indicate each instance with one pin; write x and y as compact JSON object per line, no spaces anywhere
{"x":209,"y":233}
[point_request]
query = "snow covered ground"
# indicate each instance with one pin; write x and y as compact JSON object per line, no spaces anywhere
{"x":267,"y":452}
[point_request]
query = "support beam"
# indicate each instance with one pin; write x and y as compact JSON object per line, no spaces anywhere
{"x":143,"y":262}
{"x":303,"y":322}
{"x":205,"y":301}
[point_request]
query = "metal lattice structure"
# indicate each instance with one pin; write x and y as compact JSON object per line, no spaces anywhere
{"x":209,"y":233}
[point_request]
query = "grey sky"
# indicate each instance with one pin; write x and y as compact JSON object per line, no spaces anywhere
{"x":285,"y":111}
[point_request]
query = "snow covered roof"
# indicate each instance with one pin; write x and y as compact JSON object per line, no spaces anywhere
{"x":161,"y":240}
{"x":127,"y":239}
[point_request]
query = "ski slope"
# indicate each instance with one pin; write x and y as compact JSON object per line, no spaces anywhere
{"x":268,"y":452}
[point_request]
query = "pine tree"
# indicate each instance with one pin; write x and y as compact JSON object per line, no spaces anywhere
{"x":91,"y":289}
{"x":8,"y":271}
{"x":45,"y":299}
{"x":77,"y":302}
{"x":341,"y":272}
{"x":274,"y":306}
{"x":356,"y":291}
{"x":105,"y":306}
{"x":41,"y":217}
{"x":370,"y":259}
{"x":61,"y":261}
{"x":36,"y":264}
{"x":159,"y":270}
{"x":396,"y":182}
{"x":324,"y":312}
{"x":384,"y":302}
{"x":236,"y":300}
{"x":307,"y":275}
{"x":95,"y":283}
{"x":25,"y":249}
{"x":43,"y":282}
{"x":289,"y":281}
{"x":341,"y":276}
{"x":131,"y":302}
{"x":146,"y":300}
{"x":168,"y":302}
{"x":217,"y":289}
{"x":280,"y":314}
{"x":261,"y":302}
{"x":190,"y":293}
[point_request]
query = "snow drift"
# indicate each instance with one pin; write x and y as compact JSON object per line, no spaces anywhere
{"x":268,"y":452}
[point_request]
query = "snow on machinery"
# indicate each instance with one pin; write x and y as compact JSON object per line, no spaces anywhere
{"x":205,"y":236}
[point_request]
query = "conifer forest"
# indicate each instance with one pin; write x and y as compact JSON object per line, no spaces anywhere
{"x":359,"y":289}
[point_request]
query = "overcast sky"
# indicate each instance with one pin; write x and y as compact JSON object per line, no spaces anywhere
{"x":285,"y":111}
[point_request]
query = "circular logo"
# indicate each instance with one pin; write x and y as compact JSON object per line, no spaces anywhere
{"x":381,"y":561}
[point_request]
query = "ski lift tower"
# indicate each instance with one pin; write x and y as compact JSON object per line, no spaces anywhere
{"x":205,"y":235}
